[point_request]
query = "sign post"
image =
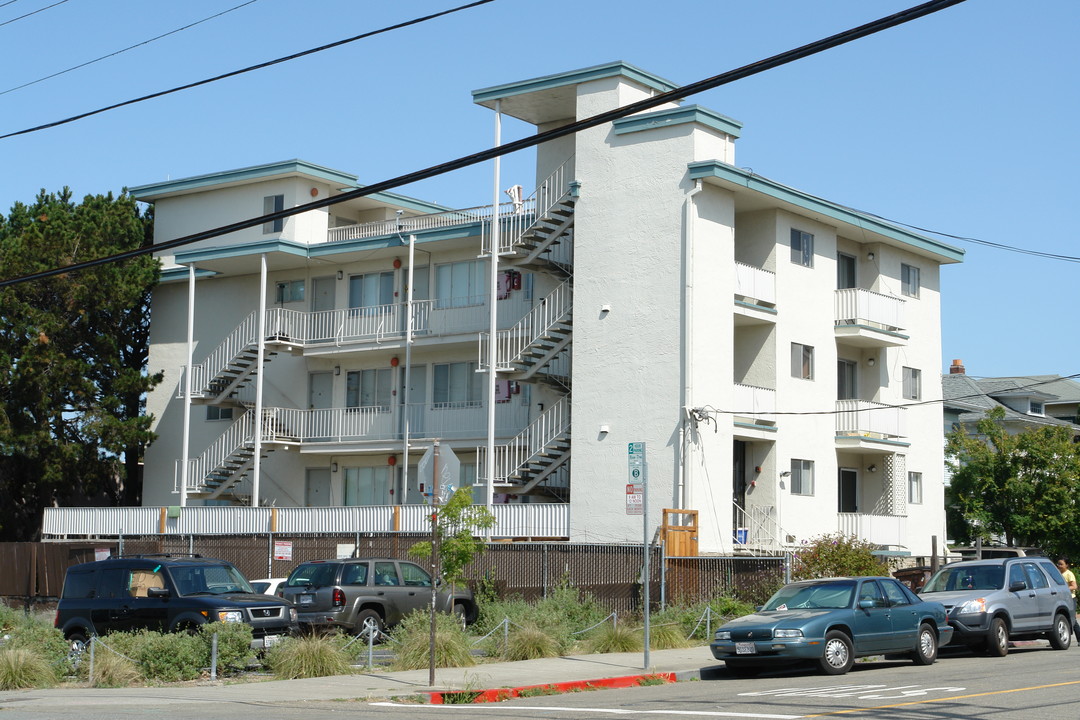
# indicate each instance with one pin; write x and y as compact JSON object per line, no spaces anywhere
{"x":637,"y":503}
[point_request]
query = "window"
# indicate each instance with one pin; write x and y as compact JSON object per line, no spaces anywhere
{"x":894,"y":593}
{"x":845,"y":271}
{"x":459,"y":284}
{"x":371,"y":290}
{"x":845,"y":380}
{"x":369,"y":388}
{"x":802,"y":477}
{"x":414,"y":575}
{"x":912,"y":383}
{"x":802,"y":248}
{"x":216,"y":412}
{"x":456,"y":384}
{"x":914,"y":488}
{"x":368,"y":486}
{"x":1036,"y":408}
{"x":290,"y":291}
{"x":802,"y":361}
{"x":272,"y":204}
{"x":909,"y":280}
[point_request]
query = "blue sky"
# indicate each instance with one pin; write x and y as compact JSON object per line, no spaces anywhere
{"x":963,"y":122}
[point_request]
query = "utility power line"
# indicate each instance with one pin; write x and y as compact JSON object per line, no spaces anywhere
{"x":745,"y":71}
{"x":35,"y":12}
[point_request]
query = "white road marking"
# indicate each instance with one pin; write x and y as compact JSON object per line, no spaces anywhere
{"x":863,"y":692}
{"x":610,"y":711}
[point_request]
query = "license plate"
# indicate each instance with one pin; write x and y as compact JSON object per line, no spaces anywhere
{"x":745,"y":648}
{"x":307,"y":599}
{"x":270,"y":640}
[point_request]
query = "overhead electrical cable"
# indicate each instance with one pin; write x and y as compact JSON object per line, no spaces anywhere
{"x":130,"y":47}
{"x":35,"y":12}
{"x":745,"y":71}
{"x":260,"y":66}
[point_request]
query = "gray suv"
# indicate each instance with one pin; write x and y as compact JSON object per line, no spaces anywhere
{"x":359,"y":593}
{"x":990,"y":602}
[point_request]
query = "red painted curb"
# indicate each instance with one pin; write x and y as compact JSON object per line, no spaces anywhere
{"x":500,"y":694}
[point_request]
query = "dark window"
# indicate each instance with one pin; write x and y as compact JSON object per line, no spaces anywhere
{"x":273,"y":204}
{"x":79,"y":585}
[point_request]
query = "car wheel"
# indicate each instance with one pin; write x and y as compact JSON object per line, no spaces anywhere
{"x":1061,"y":635}
{"x":742,"y":670}
{"x":997,"y":643}
{"x":926,"y":652}
{"x":370,"y":621}
{"x":838,"y":657}
{"x":461,"y":615}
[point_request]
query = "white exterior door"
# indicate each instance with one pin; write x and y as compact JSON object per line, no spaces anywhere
{"x":317,"y":487}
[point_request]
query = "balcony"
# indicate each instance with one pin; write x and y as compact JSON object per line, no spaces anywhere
{"x":407,"y":225}
{"x":379,"y":424}
{"x":755,"y":295}
{"x":869,"y":426}
{"x":869,"y":319}
{"x":885,"y":530}
{"x":754,"y":416}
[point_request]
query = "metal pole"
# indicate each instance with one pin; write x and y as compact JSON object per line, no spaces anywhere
{"x":434,"y":557}
{"x":186,"y":440}
{"x":489,"y":491}
{"x":259,"y":383}
{"x":645,"y":534}
{"x":408,"y":375}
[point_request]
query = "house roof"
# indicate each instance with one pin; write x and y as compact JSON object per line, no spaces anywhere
{"x":974,"y":397}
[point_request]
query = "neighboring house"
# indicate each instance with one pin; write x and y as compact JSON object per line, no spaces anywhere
{"x":762,"y":342}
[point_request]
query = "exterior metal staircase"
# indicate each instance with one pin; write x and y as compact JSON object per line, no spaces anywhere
{"x":527,"y":464}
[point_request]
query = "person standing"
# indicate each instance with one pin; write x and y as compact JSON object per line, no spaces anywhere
{"x":1070,"y":578}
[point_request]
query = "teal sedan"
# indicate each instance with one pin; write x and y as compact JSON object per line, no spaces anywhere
{"x":831,"y":622}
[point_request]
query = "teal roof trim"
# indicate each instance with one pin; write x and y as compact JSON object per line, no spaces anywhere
{"x":256,"y":172}
{"x":407,"y":202}
{"x":574,"y":77}
{"x":180,"y":274}
{"x":230,"y":251}
{"x":678,"y":116}
{"x":732,"y":174}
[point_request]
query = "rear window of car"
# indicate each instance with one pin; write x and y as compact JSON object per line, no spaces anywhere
{"x":79,"y":585}
{"x":313,"y":574}
{"x":1051,"y":570}
{"x":354,"y":574}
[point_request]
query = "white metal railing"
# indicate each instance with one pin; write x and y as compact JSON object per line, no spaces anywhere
{"x":755,"y":283}
{"x":531,"y":441}
{"x":871,"y":419}
{"x":511,"y":344}
{"x":756,"y":402}
{"x":239,"y":433}
{"x":516,"y":218}
{"x":866,"y":307}
{"x":877,"y":529}
{"x":406,"y":225}
{"x":549,"y":520}
{"x":757,"y":527}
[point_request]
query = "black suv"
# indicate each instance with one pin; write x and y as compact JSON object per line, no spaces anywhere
{"x":165,"y":592}
{"x":359,"y":593}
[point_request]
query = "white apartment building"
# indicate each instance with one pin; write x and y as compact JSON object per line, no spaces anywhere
{"x":767,"y":346}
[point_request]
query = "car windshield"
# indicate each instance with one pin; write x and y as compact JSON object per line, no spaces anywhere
{"x":209,"y":580}
{"x":972,"y":577}
{"x":832,"y":596}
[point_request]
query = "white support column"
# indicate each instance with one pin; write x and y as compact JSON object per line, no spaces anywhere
{"x":257,"y":468}
{"x":186,"y":441}
{"x":492,"y":301}
{"x":403,"y":488}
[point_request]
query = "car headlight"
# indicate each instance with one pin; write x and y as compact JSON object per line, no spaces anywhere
{"x":723,"y":635}
{"x":787,"y":633}
{"x":230,"y":616}
{"x":978,"y":605}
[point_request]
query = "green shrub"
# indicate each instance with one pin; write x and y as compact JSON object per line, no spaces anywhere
{"x":161,"y":657}
{"x":234,"y":645}
{"x":612,"y":638}
{"x":412,"y":640}
{"x":307,"y":656}
{"x":22,"y":668}
{"x":8,"y":618}
{"x":530,"y":642}
{"x":836,"y":555}
{"x":35,"y":632}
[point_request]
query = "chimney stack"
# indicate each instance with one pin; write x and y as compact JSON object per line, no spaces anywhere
{"x":957,"y":367}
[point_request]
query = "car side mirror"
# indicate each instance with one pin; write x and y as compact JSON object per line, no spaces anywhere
{"x":157,"y":593}
{"x":1017,"y":586}
{"x":867,"y":603}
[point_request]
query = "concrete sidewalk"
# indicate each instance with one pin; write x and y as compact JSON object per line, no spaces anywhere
{"x":681,"y":664}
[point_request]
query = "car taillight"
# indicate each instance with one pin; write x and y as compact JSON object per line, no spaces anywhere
{"x":339,"y":597}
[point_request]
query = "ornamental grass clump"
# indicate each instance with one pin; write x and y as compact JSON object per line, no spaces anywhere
{"x":530,"y":642}
{"x":667,"y":636}
{"x":612,"y":638}
{"x":23,"y":668}
{"x":412,"y":642}
{"x":307,"y":656}
{"x":110,"y":670}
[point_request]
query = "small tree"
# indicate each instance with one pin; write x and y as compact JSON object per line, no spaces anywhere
{"x":456,"y":527}
{"x":837,"y":555}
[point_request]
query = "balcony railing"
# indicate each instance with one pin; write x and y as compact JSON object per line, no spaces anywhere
{"x":877,"y":529}
{"x":755,"y":284}
{"x":870,"y":419}
{"x":756,"y":402}
{"x":406,"y":225}
{"x":856,"y":306}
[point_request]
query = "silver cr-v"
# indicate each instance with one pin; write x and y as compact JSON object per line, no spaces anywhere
{"x":990,"y":602}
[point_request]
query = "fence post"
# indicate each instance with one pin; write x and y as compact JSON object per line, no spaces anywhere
{"x":270,"y":554}
{"x":663,"y":577}
{"x":708,"y":622}
{"x":90,"y":674}
{"x":545,"y":572}
{"x":213,"y":657}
